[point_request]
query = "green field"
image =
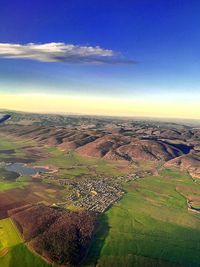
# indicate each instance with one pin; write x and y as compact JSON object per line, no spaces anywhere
{"x":150,"y":226}
{"x":74,"y":165}
{"x":13,"y":253}
{"x":11,"y":148}
{"x":7,"y":182}
{"x":70,"y":164}
{"x":9,"y":235}
{"x":4,"y":185}
{"x":15,"y":147}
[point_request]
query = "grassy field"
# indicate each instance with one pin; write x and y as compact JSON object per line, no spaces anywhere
{"x":70,"y":164}
{"x":9,"y":181}
{"x":11,"y":148}
{"x":73,"y":165}
{"x":20,"y":256}
{"x":9,"y":235}
{"x":6,"y":143}
{"x":151,"y":225}
{"x":4,"y":185}
{"x":13,"y":253}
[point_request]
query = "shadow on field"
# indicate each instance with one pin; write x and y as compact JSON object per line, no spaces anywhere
{"x":20,"y":256}
{"x":97,"y":243}
{"x":8,"y":175}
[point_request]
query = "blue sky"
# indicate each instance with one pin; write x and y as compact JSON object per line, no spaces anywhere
{"x":162,"y":36}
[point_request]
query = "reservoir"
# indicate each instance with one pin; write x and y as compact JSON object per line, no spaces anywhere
{"x":23,"y":169}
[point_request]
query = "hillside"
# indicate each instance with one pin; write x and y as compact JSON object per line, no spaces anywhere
{"x":97,"y":188}
{"x":118,"y":140}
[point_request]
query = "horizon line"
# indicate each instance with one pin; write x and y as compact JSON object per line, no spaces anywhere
{"x":100,"y":115}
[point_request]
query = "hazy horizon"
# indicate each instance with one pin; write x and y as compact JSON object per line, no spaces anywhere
{"x":189,"y":121}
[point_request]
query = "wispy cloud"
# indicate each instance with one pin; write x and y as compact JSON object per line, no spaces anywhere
{"x":61,"y":52}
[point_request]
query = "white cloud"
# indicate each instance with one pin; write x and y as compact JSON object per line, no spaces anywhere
{"x":60,"y":52}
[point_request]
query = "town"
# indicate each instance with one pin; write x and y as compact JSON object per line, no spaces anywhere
{"x":94,"y":194}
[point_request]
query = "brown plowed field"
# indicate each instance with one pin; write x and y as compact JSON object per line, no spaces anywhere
{"x":33,"y":193}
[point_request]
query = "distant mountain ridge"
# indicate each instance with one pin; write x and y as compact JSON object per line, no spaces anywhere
{"x":127,"y":140}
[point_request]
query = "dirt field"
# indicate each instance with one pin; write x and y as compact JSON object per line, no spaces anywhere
{"x":32,"y":193}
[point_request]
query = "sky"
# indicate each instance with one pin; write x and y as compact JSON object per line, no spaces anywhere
{"x":123,"y":58}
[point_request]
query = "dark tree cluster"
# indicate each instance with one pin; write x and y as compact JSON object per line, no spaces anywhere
{"x":62,"y":236}
{"x":67,"y":240}
{"x":35,"y":220}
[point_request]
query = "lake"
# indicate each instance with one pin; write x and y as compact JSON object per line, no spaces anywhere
{"x":23,"y":169}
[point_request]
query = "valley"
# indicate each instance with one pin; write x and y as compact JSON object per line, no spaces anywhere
{"x":134,"y":184}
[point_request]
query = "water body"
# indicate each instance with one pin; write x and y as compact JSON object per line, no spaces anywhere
{"x":23,"y":169}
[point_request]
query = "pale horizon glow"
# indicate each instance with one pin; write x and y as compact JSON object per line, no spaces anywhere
{"x":109,"y":106}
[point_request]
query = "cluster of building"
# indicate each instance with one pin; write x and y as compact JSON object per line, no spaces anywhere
{"x":94,"y":194}
{"x":127,"y":178}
